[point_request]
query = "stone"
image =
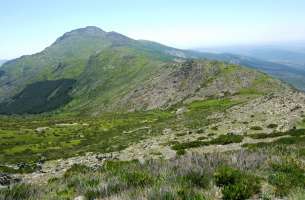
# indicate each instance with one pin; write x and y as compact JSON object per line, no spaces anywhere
{"x":6,"y":179}
{"x":79,"y":198}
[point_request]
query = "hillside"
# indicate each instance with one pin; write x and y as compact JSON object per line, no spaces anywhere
{"x":2,"y":62}
{"x":98,"y":115}
{"x":280,"y":61}
{"x":95,"y":71}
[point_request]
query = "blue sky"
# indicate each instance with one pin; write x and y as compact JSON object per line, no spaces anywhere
{"x":28,"y":26}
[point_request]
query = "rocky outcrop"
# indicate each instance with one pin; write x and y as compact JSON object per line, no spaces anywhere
{"x":281,"y":109}
{"x":196,"y":80}
{"x":6,"y":179}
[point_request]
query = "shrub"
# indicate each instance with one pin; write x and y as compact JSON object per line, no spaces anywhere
{"x":263,"y":135}
{"x":257,"y":128}
{"x":113,"y":186}
{"x":161,"y":194}
{"x":187,"y":145}
{"x":236,"y":185}
{"x":115,"y":167}
{"x":180,"y":152}
{"x":286,"y":175}
{"x":226,"y":175}
{"x":137,"y":178}
{"x":214,"y":128}
{"x":222,"y":139}
{"x":200,"y":131}
{"x":92,"y":194}
{"x":197,"y":179}
{"x":19,"y":191}
{"x":237,"y":191}
{"x":188,"y":194}
{"x":202,"y":138}
{"x":77,"y":169}
{"x":227,"y":139}
{"x":24,"y":169}
{"x":272,"y":126}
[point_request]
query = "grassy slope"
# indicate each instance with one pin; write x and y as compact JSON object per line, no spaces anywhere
{"x":21,"y":142}
{"x":268,"y":172}
{"x":111,"y":74}
{"x":65,"y":59}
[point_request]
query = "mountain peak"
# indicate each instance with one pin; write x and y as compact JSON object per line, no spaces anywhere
{"x":87,"y":31}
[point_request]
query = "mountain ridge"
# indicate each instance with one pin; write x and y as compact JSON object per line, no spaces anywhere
{"x":106,"y":68}
{"x":2,"y":61}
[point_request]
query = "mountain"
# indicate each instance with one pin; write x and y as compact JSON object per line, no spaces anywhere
{"x":283,"y":61}
{"x":134,"y":119}
{"x":291,"y":54}
{"x":89,"y":70}
{"x":2,"y":62}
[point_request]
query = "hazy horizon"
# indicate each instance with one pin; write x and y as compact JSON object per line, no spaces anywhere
{"x":30,"y":26}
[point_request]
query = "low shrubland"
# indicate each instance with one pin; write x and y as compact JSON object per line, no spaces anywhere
{"x":231,"y":176}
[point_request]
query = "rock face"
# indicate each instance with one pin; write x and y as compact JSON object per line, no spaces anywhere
{"x":196,"y":80}
{"x":282,"y":110}
{"x":6,"y":179}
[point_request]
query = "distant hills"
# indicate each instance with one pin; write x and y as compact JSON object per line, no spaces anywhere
{"x":2,"y":62}
{"x":284,"y":61}
{"x":91,"y":71}
{"x":291,"y":54}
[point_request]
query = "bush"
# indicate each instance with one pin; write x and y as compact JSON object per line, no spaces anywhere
{"x":226,"y":175}
{"x":237,"y":191}
{"x":188,"y":194}
{"x":77,"y":169}
{"x":202,"y":138}
{"x":222,"y":139}
{"x":236,"y":185}
{"x":197,"y":179}
{"x":180,"y":152}
{"x":257,"y":128}
{"x":188,"y":145}
{"x":92,"y":194}
{"x":161,"y":194}
{"x":272,"y":126}
{"x":137,"y":178}
{"x":200,"y":131}
{"x":286,"y":175}
{"x":227,"y":139}
{"x":19,"y":191}
{"x":28,"y":168}
{"x":263,"y":135}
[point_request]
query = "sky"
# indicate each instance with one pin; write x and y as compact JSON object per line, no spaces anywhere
{"x":28,"y":26}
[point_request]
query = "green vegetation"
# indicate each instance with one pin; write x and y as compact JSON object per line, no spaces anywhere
{"x":272,"y":126}
{"x":199,"y":110}
{"x":89,"y":72}
{"x":39,"y":97}
{"x":33,"y":139}
{"x":220,"y":140}
{"x":186,"y":177}
{"x":256,"y":128}
{"x":270,"y":135}
{"x":294,"y":137}
{"x":236,"y":185}
{"x":19,"y":191}
{"x":30,"y":139}
{"x":286,"y":175}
